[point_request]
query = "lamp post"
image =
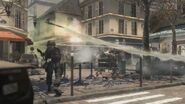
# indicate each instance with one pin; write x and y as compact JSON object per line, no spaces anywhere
{"x":72,"y":72}
{"x":7,"y":4}
{"x":73,"y":40}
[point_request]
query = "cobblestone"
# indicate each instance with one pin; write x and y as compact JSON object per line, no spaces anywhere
{"x":95,"y":85}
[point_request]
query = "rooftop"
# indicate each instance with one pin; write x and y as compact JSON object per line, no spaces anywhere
{"x":167,"y":33}
{"x":65,"y":6}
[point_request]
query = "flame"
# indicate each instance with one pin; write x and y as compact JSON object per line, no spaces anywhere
{"x":75,"y":39}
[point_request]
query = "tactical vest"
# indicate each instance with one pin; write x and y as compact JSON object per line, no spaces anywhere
{"x":55,"y":55}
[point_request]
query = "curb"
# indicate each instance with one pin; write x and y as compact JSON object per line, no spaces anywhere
{"x":102,"y":93}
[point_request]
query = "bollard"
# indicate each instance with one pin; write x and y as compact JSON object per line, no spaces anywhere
{"x":91,"y":73}
{"x":171,"y":73}
{"x":72,"y":71}
{"x":141,"y":72}
{"x":80,"y":81}
{"x":91,"y":70}
{"x":64,"y":66}
{"x":80,"y":72}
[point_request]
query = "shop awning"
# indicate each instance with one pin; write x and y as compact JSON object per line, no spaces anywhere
{"x":6,"y":35}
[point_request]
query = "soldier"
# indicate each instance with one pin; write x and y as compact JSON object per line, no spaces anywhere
{"x":52,"y":57}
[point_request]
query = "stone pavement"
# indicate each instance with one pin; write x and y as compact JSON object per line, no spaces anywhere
{"x":95,"y":87}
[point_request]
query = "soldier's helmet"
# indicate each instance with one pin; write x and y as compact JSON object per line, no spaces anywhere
{"x":51,"y":43}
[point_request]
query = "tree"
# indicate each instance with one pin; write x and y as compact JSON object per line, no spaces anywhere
{"x":146,"y":59}
{"x":169,"y":11}
{"x":146,"y":5}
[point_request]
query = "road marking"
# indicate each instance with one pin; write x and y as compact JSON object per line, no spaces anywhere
{"x":165,"y":101}
{"x":137,"y":99}
{"x":115,"y":97}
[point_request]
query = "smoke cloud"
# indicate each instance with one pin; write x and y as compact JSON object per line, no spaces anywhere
{"x":85,"y":54}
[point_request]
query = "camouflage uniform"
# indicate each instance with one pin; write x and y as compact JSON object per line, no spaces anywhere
{"x":53,"y":54}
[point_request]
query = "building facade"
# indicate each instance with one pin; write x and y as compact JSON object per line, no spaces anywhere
{"x":113,"y":20}
{"x":37,"y":8}
{"x":13,"y":30}
{"x":65,"y":13}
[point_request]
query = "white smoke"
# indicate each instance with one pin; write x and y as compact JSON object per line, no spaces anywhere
{"x":85,"y":54}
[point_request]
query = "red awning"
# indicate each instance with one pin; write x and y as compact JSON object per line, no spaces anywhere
{"x":6,"y":35}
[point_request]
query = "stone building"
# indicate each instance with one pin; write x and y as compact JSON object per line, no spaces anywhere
{"x":113,"y":20}
{"x":13,"y":29}
{"x":37,"y":8}
{"x":62,"y":13}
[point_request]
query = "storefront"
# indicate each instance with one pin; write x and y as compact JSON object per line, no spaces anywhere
{"x":12,"y":45}
{"x":162,"y":41}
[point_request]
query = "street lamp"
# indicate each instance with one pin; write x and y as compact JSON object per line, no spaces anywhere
{"x":73,"y":40}
{"x":7,"y":4}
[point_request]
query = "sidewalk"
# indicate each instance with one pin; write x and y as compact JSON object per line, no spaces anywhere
{"x":98,"y":88}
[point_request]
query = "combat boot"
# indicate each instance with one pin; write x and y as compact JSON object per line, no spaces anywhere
{"x":57,"y":93}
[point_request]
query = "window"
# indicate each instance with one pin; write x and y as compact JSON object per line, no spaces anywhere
{"x":83,"y":12}
{"x":23,"y":21}
{"x":121,"y":26}
{"x":100,"y":8}
{"x":19,"y":1}
{"x":133,"y":10}
{"x":90,"y":11}
{"x":134,"y":28}
{"x":90,"y":29}
{"x":97,"y":27}
{"x":101,"y":26}
{"x":125,"y":30}
{"x":121,"y":7}
{"x":183,"y":9}
{"x":18,"y":19}
{"x":127,"y":10}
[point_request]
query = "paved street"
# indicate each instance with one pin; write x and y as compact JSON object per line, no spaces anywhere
{"x":171,"y":95}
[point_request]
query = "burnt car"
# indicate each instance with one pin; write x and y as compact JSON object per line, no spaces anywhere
{"x":29,"y":59}
{"x":15,"y":85}
{"x":160,"y":67}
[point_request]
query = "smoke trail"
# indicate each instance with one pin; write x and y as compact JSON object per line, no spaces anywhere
{"x":73,"y":28}
{"x":128,"y":49}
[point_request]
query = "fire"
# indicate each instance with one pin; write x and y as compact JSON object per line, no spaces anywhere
{"x":75,"y":39}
